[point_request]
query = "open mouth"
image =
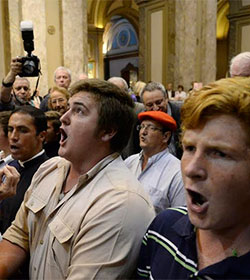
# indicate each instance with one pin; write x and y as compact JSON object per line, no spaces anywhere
{"x":197,"y":198}
{"x":64,"y":136}
{"x":13,"y":148}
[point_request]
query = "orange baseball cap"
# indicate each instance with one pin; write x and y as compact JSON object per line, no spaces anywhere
{"x":163,"y":118}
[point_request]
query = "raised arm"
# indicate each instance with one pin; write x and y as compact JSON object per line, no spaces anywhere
{"x":7,"y":82}
{"x":11,"y":258}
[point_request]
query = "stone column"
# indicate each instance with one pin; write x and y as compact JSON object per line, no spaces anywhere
{"x":195,"y":41}
{"x":186,"y":38}
{"x":75,"y":38}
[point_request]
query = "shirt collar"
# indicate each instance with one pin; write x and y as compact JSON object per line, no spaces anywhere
{"x":35,"y":156}
{"x":155,"y":157}
{"x":97,"y":168}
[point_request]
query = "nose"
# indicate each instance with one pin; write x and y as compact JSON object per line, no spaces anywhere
{"x":194,"y":166}
{"x":155,"y":107}
{"x":57,"y":103}
{"x":13,"y":135}
{"x":65,"y":118}
{"x":143,"y":131}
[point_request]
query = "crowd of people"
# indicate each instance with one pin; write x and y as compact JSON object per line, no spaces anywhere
{"x":98,"y":184}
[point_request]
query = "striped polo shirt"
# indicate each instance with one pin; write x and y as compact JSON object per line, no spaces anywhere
{"x":168,"y":251}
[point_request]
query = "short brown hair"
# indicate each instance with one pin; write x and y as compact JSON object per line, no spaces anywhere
{"x":115,"y":108}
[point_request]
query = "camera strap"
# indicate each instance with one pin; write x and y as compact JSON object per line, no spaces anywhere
{"x":37,"y":82}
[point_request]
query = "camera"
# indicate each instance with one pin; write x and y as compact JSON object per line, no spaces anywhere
{"x":30,"y":63}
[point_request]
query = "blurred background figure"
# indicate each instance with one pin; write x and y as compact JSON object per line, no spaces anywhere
{"x":137,"y":89}
{"x":83,"y":76}
{"x":180,"y":94}
{"x":52,"y":138}
{"x":240,"y":65}
{"x":4,"y":142}
{"x":58,"y":99}
{"x":170,"y":91}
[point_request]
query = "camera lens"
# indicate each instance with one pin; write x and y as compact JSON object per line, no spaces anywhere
{"x":29,"y":67}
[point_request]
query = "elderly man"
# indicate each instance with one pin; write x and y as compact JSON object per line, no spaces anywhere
{"x":120,"y":82}
{"x":84,"y":215}
{"x":240,"y":65}
{"x":157,"y":169}
{"x":212,"y":239}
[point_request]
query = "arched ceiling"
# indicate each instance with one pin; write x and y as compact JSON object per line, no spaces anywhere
{"x":101,"y":11}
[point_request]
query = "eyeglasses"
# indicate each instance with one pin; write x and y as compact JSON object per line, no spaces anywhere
{"x":59,"y":100}
{"x":148,"y":127}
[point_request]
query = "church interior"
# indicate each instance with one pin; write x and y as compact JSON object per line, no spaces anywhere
{"x":177,"y":41}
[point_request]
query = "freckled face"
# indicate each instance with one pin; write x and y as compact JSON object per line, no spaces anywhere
{"x":215,"y":168}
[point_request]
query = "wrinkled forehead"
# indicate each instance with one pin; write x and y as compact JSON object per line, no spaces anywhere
{"x":60,"y":73}
{"x":153,"y":95}
{"x":57,"y":94}
{"x":21,"y":82}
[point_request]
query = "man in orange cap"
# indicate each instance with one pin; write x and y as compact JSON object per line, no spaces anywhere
{"x":155,"y":167}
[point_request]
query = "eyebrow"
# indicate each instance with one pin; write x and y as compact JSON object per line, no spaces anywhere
{"x":77,"y":103}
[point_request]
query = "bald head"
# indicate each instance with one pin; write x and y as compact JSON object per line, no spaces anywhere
{"x":120,"y":82}
{"x":240,"y":65}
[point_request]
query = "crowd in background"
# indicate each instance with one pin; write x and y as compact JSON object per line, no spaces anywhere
{"x":126,"y":155}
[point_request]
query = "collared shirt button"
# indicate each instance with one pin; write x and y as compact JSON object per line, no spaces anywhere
{"x":41,"y":242}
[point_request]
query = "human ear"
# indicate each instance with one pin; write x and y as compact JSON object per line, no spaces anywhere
{"x":42,"y":135}
{"x":166,"y":136}
{"x":108,"y":135}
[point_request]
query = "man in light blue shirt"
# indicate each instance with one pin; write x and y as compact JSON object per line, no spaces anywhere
{"x":158,"y":171}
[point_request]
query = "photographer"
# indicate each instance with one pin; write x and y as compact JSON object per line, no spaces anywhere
{"x":15,"y":90}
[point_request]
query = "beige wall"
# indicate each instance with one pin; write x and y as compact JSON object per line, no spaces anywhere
{"x":178,"y":41}
{"x":245,"y":38}
{"x":156,"y":50}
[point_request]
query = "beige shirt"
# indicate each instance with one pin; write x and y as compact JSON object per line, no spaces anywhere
{"x":93,"y":232}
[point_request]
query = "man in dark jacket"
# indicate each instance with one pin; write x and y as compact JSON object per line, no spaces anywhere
{"x":154,"y":98}
{"x":26,"y":133}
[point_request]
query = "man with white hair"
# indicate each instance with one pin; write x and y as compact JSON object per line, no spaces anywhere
{"x":62,"y":78}
{"x":120,"y":82}
{"x":240,"y":65}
